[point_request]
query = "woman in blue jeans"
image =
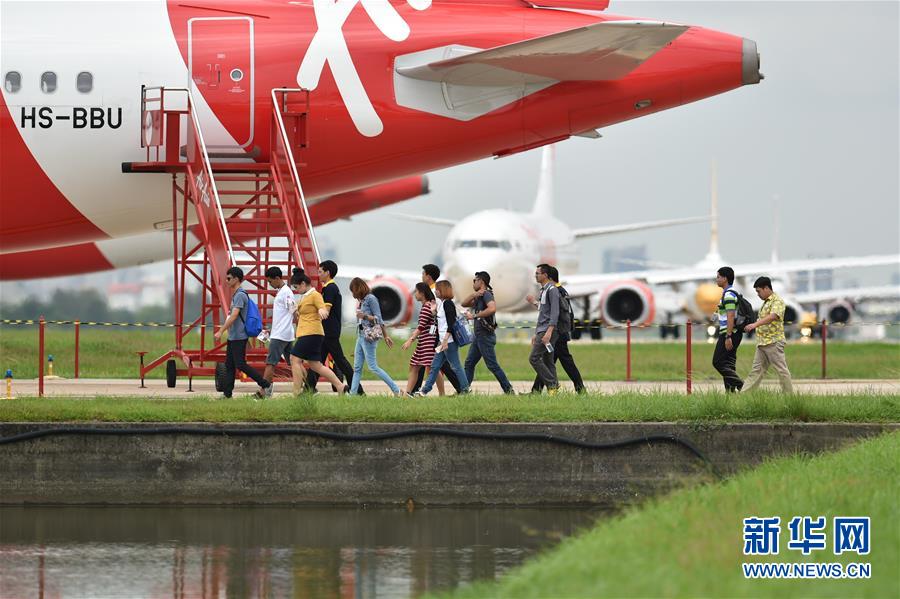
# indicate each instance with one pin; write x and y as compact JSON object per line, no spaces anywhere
{"x":447,"y":349}
{"x":369,"y":324}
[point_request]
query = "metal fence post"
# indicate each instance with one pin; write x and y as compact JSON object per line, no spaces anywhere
{"x":77,"y":334}
{"x":688,"y":356}
{"x":41,"y":323}
{"x":628,"y":350}
{"x":824,"y":344}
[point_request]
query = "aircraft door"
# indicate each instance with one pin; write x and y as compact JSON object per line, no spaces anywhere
{"x":221,"y":68}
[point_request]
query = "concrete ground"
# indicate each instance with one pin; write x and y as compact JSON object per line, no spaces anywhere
{"x":58,"y":387}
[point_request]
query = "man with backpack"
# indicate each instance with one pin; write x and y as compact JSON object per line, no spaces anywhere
{"x":241,"y":322}
{"x":732,"y":315}
{"x":545,"y":335}
{"x":561,"y":351}
{"x":483,"y":345}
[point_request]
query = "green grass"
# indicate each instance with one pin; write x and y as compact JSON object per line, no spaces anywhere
{"x":690,"y":543}
{"x":110,"y":353}
{"x":621,"y":407}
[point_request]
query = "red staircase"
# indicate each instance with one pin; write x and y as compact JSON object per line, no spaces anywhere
{"x":248,"y":214}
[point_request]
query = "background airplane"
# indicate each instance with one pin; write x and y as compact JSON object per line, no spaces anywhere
{"x":509,"y":244}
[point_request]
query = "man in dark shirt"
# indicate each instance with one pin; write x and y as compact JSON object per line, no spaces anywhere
{"x":485,"y":340}
{"x":331,"y":294}
{"x":561,"y":351}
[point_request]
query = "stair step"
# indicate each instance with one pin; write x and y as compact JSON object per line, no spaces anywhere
{"x":247,"y":192}
{"x":250,"y":206}
{"x":249,"y":178}
{"x":254,"y":220}
{"x":235,"y":167}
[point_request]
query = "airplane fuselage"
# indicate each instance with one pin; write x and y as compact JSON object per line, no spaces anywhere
{"x":73,"y":73}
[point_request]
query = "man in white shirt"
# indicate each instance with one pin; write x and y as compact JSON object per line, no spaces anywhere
{"x":282,"y":335}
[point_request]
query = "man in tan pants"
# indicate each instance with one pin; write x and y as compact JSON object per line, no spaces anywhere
{"x":770,"y":338}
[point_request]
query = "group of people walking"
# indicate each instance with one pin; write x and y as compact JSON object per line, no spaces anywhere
{"x":306,"y":329}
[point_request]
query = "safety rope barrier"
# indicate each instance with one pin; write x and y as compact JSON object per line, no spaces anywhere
{"x":578,"y":324}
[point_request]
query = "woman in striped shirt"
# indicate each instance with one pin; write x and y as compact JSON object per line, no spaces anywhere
{"x":424,"y":336}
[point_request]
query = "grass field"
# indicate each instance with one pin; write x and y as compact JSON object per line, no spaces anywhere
{"x":690,"y":543}
{"x":620,"y":407}
{"x":110,"y":353}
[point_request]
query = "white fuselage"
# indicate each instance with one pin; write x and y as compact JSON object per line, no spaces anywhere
{"x":508,"y":245}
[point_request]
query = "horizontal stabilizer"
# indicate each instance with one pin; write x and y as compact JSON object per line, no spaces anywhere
{"x":654,"y":224}
{"x":430,"y":220}
{"x":599,"y":52}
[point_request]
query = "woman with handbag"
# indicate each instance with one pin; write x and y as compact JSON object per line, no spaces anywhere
{"x":310,"y":334}
{"x":425,"y":337}
{"x":448,"y":340}
{"x":370,"y":330}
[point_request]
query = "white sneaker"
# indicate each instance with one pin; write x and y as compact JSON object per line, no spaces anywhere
{"x":418,"y":394}
{"x":270,"y":390}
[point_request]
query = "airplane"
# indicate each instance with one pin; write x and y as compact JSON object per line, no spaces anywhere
{"x":508,"y":245}
{"x":396,"y":89}
{"x":661,"y":294}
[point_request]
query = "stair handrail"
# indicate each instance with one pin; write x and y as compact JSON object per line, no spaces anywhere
{"x":195,"y":122}
{"x":209,"y":172}
{"x":292,"y":163}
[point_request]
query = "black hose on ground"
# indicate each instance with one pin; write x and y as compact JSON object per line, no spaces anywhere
{"x":332,"y":436}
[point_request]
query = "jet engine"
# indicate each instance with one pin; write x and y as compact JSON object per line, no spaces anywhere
{"x":627,"y":300}
{"x":839,"y":312}
{"x":395,"y":299}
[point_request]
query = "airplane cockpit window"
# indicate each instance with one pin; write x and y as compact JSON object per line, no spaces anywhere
{"x":465,"y":243}
{"x":48,"y":82}
{"x":84,"y":82}
{"x":490,"y":243}
{"x":12,"y":82}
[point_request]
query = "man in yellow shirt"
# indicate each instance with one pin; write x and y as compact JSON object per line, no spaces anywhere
{"x":769,"y":338}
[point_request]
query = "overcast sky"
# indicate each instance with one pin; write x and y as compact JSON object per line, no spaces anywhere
{"x":821,"y":131}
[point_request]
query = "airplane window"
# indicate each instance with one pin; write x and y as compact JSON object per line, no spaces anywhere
{"x":48,"y":82}
{"x":12,"y":82}
{"x":84,"y":82}
{"x":467,"y":243}
{"x":490,"y":243}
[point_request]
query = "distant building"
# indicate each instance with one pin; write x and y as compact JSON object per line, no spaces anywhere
{"x":625,"y":258}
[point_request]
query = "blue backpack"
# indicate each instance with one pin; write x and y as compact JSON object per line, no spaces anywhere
{"x":253,"y":323}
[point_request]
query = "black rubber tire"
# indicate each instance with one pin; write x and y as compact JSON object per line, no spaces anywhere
{"x":576,"y":332}
{"x":219,"y":376}
{"x":596,"y":333}
{"x":171,"y":373}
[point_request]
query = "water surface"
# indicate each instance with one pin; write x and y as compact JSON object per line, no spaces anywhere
{"x":267,"y":551}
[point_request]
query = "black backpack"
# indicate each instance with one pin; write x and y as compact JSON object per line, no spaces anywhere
{"x":745,"y":313}
{"x":566,"y":314}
